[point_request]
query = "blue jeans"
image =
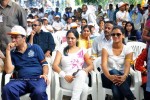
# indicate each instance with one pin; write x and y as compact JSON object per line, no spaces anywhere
{"x":16,"y":88}
{"x":119,"y":92}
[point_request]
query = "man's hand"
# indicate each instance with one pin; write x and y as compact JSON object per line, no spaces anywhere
{"x":33,"y":33}
{"x":10,"y":46}
{"x":69,"y":78}
{"x":45,"y":78}
{"x":47,"y":54}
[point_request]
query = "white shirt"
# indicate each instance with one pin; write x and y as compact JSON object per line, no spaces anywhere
{"x":58,"y":25}
{"x":98,"y":43}
{"x":123,"y":16}
{"x":145,"y":16}
{"x":117,"y":62}
{"x":29,"y":29}
{"x":72,"y":62}
{"x":45,"y":27}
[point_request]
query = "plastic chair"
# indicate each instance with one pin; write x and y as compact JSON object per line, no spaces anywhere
{"x":103,"y":91}
{"x":26,"y":96}
{"x":137,"y":49}
{"x":59,"y":91}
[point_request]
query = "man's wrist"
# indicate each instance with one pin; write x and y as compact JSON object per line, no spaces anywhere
{"x":45,"y":75}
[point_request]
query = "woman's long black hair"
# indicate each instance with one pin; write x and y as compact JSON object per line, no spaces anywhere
{"x":76,"y":34}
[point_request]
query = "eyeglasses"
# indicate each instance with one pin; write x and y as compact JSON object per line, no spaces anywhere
{"x":15,"y":37}
{"x":116,"y":34}
{"x":35,"y":25}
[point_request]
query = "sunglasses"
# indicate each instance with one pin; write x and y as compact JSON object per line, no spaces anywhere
{"x":116,"y":34}
{"x":35,"y":25}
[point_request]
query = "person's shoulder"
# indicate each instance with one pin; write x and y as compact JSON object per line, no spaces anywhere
{"x":35,"y":46}
{"x":46,"y":33}
{"x":98,"y":38}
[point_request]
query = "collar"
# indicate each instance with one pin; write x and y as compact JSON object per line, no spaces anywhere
{"x":9,"y":4}
{"x":28,"y":46}
{"x":103,"y":38}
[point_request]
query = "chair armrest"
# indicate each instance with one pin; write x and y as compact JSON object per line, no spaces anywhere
{"x":57,"y":85}
{"x":93,"y":75}
{"x":7,"y":78}
{"x":134,"y":78}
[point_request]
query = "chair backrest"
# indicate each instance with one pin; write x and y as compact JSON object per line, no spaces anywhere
{"x":137,"y":48}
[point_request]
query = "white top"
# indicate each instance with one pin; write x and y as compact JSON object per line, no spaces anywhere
{"x":145,"y":16}
{"x":98,"y":43}
{"x":29,"y":29}
{"x":117,"y":62}
{"x":58,"y":25}
{"x":73,"y":61}
{"x":45,"y":27}
{"x":123,"y":16}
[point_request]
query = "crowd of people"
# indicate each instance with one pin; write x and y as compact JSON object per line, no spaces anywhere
{"x":28,"y":38}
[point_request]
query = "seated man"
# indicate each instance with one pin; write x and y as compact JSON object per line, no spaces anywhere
{"x":28,"y":61}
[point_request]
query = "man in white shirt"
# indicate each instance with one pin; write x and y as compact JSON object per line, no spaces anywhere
{"x":122,"y":14}
{"x":145,"y":16}
{"x":103,"y":39}
{"x":57,"y":24}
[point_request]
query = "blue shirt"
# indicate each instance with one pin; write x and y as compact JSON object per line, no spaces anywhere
{"x":30,"y":63}
{"x":45,"y":40}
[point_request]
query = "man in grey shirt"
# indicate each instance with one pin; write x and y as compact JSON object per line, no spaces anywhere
{"x":10,"y":14}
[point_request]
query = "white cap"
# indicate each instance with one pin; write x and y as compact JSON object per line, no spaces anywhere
{"x":120,"y":4}
{"x":91,"y":24}
{"x":73,"y":25}
{"x":29,"y":20}
{"x":17,"y":30}
{"x":45,"y":18}
{"x":57,"y":16}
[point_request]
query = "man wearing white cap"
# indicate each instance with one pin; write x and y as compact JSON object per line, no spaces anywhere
{"x":122,"y":15}
{"x":30,"y":67}
{"x":45,"y":26}
{"x":57,"y":24}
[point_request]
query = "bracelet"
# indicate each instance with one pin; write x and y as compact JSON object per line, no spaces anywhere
{"x":62,"y":74}
{"x":46,"y":75}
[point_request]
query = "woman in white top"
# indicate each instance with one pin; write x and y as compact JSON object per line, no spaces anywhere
{"x":116,"y":66}
{"x":73,"y":75}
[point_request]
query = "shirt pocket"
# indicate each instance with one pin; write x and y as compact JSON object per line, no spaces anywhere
{"x":9,"y":21}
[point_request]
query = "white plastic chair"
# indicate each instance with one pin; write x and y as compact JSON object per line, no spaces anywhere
{"x":26,"y":96}
{"x":59,"y":91}
{"x":137,"y":49}
{"x":103,"y":91}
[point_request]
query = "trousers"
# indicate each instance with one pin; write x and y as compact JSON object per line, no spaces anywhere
{"x":78,"y":86}
{"x":16,"y":88}
{"x":119,"y":92}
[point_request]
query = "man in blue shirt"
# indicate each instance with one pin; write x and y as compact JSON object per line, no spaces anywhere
{"x":44,"y":39}
{"x":30,"y":66}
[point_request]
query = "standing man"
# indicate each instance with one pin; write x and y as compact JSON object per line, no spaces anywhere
{"x":31,"y":68}
{"x":44,"y":39}
{"x":110,"y":12}
{"x":10,"y":14}
{"x":89,"y":16}
{"x":122,"y":14}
